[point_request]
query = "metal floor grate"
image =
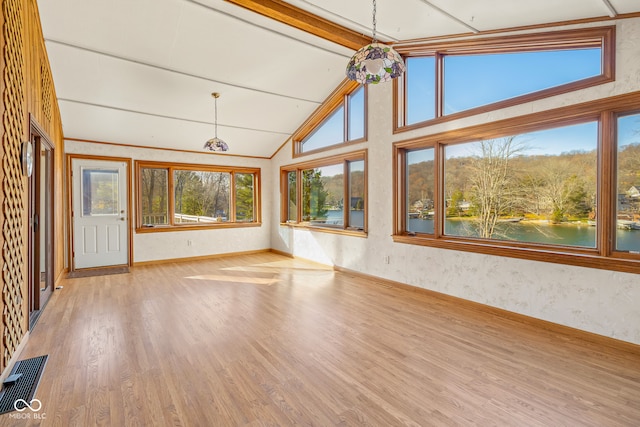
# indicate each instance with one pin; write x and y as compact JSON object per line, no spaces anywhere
{"x":25,"y":387}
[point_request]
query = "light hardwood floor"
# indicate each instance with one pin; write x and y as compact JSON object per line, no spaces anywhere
{"x":268,"y":340}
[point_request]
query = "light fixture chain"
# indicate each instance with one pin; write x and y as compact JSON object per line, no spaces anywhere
{"x":215,"y":121}
{"x":375,"y":62}
{"x":374,"y":22}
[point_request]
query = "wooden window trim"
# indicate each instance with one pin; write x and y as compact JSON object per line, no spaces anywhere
{"x":170,"y":167}
{"x":603,"y":256}
{"x":360,"y":155}
{"x":339,"y":97}
{"x":603,"y":37}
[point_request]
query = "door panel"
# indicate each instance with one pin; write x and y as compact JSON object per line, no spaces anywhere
{"x":100,"y":220}
{"x":90,"y":240}
{"x":113,"y":238}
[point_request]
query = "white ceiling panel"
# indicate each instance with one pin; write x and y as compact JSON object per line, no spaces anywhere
{"x":85,"y":77}
{"x":212,"y":44}
{"x":625,"y":6}
{"x":396,"y":19}
{"x":142,"y":29}
{"x":496,"y":14}
{"x":107,"y":125}
{"x":246,"y":16}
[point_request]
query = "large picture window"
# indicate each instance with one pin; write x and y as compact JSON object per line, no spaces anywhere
{"x":201,"y":196}
{"x":341,"y":119}
{"x":456,"y":79}
{"x":561,"y":186}
{"x":331,"y":191}
{"x":538,"y":187}
{"x":185,"y":196}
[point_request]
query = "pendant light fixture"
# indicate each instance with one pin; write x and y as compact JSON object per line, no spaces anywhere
{"x":215,"y":143}
{"x":376,"y":62}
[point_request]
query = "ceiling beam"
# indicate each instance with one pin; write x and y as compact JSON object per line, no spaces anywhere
{"x":305,"y":21}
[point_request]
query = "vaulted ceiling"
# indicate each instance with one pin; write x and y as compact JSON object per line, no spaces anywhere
{"x":141,"y":72}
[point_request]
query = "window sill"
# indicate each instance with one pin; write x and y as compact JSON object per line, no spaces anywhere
{"x":168,"y":228}
{"x":326,"y":229}
{"x":579,"y":257}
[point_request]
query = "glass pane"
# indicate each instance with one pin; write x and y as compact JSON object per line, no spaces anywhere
{"x":421,"y":84}
{"x":330,"y":132}
{"x":356,"y":194}
{"x":292,"y":204}
{"x":244,"y":197}
{"x":475,"y":80}
{"x":420,"y":207}
{"x":100,"y":192}
{"x":356,"y":114}
{"x":539,"y":187}
{"x":154,"y":196}
{"x":201,"y":197}
{"x":628,"y":206}
{"x":323,"y":194}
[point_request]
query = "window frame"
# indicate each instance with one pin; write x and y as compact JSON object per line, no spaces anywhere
{"x":345,"y":159}
{"x":339,"y":98}
{"x":603,"y":256}
{"x":171,"y":167}
{"x":614,"y":183}
{"x":603,"y":37}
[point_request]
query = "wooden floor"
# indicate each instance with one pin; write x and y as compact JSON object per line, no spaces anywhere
{"x":267,"y":340}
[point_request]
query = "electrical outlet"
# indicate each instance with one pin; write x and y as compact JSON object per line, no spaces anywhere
{"x":386,"y":259}
{"x":189,"y":242}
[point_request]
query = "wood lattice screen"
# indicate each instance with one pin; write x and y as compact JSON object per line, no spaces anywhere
{"x":12,"y":184}
{"x":47,"y":93}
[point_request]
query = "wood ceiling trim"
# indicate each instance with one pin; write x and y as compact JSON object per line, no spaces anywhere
{"x":305,"y":21}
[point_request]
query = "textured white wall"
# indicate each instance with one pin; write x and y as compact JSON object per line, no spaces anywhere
{"x":599,"y":301}
{"x":170,"y":245}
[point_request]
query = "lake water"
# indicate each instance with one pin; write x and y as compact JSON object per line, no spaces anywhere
{"x":561,"y":234}
{"x":335,"y":217}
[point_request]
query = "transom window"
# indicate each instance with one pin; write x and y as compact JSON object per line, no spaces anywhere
{"x":173,"y":196}
{"x":328,"y":193}
{"x":452,"y":80}
{"x":341,"y":119}
{"x":562,"y":187}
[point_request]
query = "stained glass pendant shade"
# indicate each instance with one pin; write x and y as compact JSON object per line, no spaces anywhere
{"x":215,"y":143}
{"x":376,"y":62}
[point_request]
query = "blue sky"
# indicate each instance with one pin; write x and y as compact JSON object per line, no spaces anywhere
{"x":629,"y":130}
{"x":582,"y":137}
{"x":332,"y":129}
{"x":474,"y":80}
{"x":419,"y":156}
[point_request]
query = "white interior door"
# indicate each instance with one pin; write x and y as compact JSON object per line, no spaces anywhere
{"x":100,"y":213}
